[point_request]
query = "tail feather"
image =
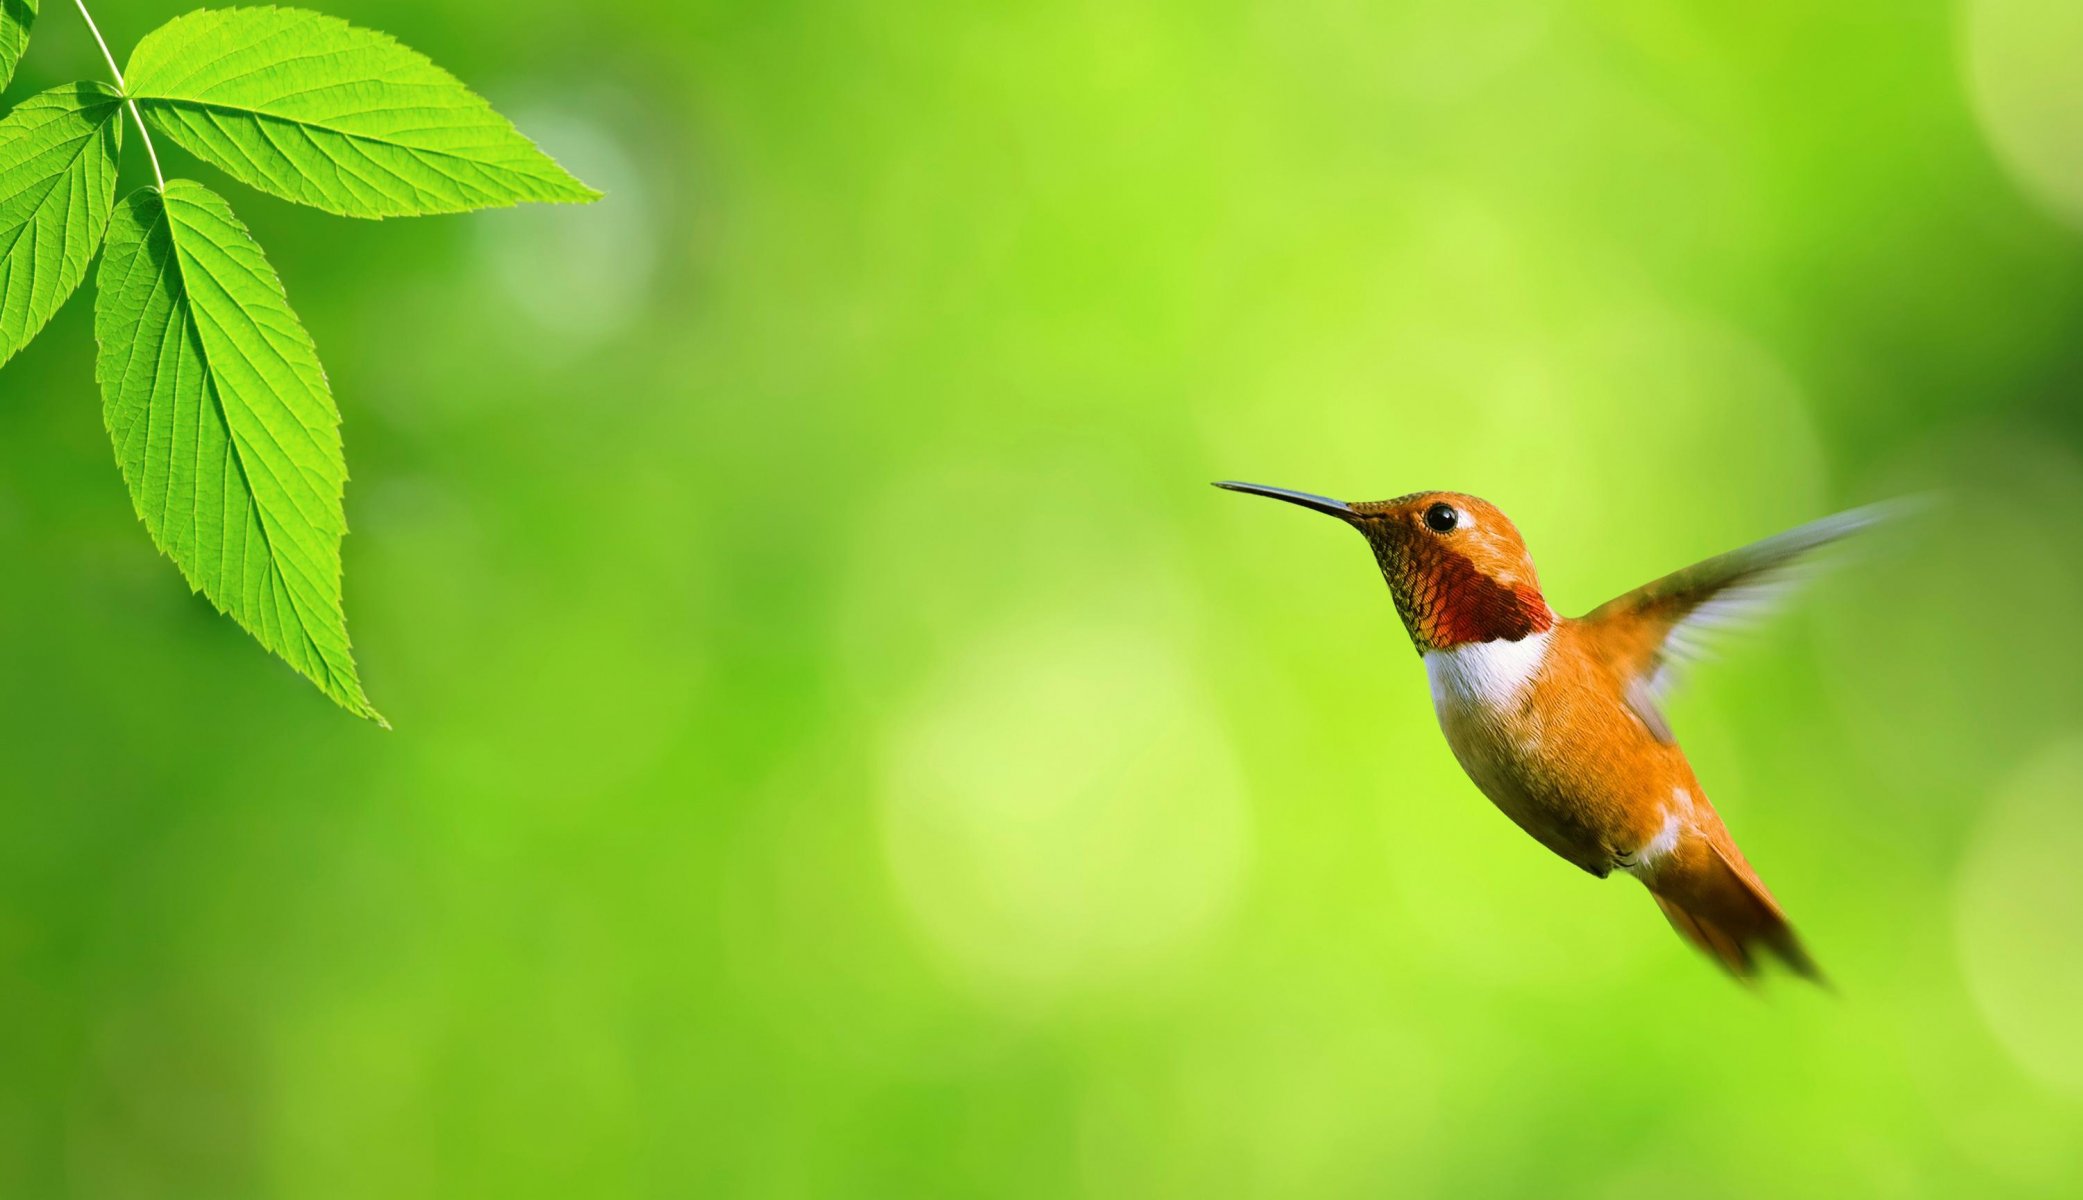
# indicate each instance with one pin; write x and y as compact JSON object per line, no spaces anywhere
{"x":1714,"y":900}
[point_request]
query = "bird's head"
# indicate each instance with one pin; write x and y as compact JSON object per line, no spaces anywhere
{"x":1455,"y":564}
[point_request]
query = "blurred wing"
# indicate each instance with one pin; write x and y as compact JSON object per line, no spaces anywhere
{"x":1662,"y":626}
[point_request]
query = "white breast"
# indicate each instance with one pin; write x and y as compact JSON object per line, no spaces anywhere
{"x":1485,"y":674}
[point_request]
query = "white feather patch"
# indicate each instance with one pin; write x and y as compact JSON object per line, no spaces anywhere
{"x":1677,"y":819}
{"x":1489,"y":674}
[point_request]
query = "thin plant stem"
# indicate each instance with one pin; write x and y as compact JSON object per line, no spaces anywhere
{"x":117,"y":71}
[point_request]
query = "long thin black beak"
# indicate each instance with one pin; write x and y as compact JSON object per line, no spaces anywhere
{"x":1322,"y":504}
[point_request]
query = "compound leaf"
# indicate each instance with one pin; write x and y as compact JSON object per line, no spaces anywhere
{"x":312,"y":109}
{"x":57,"y":184}
{"x":16,"y":16}
{"x":224,"y":427}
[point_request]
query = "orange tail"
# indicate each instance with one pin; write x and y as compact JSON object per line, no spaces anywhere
{"x":1714,"y":900}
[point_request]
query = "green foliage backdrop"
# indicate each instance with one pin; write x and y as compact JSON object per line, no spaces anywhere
{"x":843,"y":747}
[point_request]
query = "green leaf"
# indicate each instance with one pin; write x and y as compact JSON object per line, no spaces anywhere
{"x":312,"y":109}
{"x":57,"y":183}
{"x":224,"y":427}
{"x":16,"y":16}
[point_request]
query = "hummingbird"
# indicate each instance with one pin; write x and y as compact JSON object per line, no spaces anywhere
{"x":1557,"y":719}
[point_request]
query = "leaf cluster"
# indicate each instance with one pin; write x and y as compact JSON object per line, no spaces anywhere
{"x":216,"y":404}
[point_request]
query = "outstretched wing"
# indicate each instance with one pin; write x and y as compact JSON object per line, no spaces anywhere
{"x":1666,"y":624}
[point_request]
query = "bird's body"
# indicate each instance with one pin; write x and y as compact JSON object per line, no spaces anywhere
{"x":1555,"y":719}
{"x":1538,"y":724}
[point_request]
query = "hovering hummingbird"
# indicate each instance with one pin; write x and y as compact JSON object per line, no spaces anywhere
{"x":1556,"y":718}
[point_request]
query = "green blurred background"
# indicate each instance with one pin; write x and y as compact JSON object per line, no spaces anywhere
{"x":843,"y":746}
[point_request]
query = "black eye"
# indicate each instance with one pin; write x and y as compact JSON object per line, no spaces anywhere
{"x":1441,"y":518}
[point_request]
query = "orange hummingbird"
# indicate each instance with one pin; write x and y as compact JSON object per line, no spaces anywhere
{"x":1556,"y":719}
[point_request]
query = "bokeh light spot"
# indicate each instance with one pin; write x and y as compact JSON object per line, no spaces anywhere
{"x":1060,"y":810}
{"x":2021,"y":58}
{"x":2020,"y":904}
{"x":579,"y":274}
